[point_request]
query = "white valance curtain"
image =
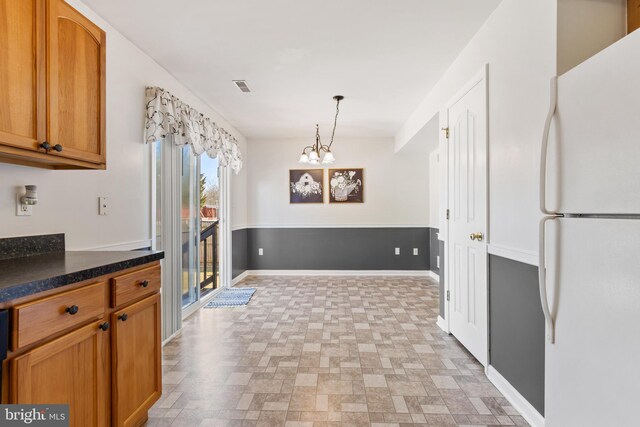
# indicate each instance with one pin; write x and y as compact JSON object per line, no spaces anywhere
{"x":167,"y":115}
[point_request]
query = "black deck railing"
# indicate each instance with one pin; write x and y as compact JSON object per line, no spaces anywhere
{"x":209,"y":255}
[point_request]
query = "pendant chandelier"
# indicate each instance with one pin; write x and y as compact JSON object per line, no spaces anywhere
{"x":311,"y":154}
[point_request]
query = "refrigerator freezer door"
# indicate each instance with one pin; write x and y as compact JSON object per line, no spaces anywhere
{"x":594,"y":149}
{"x":592,"y":370}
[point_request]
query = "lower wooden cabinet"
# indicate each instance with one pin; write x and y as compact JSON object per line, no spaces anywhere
{"x":75,"y":347}
{"x":137,"y":370}
{"x":73,"y":368}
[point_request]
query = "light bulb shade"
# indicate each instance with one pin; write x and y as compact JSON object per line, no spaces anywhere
{"x":313,"y":156}
{"x":304,"y":158}
{"x":328,"y":158}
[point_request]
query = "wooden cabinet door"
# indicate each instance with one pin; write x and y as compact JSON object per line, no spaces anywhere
{"x":137,"y":370}
{"x":22,"y":74}
{"x":76,"y":50}
{"x":73,"y":368}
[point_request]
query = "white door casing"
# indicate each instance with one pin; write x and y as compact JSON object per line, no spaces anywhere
{"x":467,"y":231}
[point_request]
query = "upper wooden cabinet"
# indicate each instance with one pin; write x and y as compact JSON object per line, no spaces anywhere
{"x":22,"y":74}
{"x":52,"y":86}
{"x":633,"y":15}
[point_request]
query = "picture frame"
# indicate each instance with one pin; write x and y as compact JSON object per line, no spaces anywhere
{"x":346,"y":185}
{"x":306,"y":186}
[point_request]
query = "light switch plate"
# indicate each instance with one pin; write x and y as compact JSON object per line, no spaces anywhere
{"x":438,"y":261}
{"x":397,"y":251}
{"x":260,"y":251}
{"x":22,"y":210}
{"x":103,"y":206}
{"x":415,"y":251}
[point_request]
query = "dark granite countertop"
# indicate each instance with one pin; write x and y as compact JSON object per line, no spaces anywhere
{"x":28,"y":275}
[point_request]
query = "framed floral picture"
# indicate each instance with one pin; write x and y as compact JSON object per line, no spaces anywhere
{"x":346,"y":186}
{"x":306,"y":186}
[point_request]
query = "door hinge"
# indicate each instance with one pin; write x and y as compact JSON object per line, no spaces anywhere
{"x":446,"y":132}
{"x":448,"y":296}
{"x":447,"y":213}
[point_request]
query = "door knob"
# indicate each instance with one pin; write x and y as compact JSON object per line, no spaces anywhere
{"x":476,"y":236}
{"x":104,"y":326}
{"x":123,"y":317}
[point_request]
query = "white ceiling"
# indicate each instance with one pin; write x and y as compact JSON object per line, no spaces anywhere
{"x":382,"y":55}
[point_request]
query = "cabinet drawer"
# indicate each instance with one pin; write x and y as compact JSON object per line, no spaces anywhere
{"x":39,"y":319}
{"x":134,"y":285}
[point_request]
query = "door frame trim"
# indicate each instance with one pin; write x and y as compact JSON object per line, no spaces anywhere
{"x":478,"y":78}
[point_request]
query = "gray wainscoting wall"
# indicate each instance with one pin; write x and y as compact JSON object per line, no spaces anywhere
{"x":239,"y":252}
{"x":334,"y":249}
{"x":516,"y":327}
{"x":434,"y":250}
{"x":338,"y":248}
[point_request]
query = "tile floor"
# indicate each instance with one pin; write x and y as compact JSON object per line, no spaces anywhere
{"x":326,"y":351}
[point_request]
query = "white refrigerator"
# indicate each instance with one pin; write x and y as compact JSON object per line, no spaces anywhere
{"x":590,"y":242}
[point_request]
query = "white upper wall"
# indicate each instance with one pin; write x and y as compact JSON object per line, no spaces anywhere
{"x":518,"y":41}
{"x":396,"y":189}
{"x":68,"y":200}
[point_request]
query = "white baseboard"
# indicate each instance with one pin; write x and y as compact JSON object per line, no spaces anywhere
{"x":433,"y":275}
{"x":421,"y":273}
{"x":239,"y":278}
{"x":175,"y":334}
{"x":442,"y":324}
{"x":521,"y":404}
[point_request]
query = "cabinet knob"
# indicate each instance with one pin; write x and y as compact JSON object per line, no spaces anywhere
{"x":123,"y":317}
{"x":144,"y":283}
{"x":45,"y":146}
{"x":72,"y":309}
{"x":104,"y":326}
{"x":57,"y":147}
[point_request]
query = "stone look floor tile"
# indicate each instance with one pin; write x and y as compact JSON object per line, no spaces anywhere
{"x":324,"y":352}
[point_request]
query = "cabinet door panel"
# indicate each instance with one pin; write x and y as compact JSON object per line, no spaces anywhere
{"x":22,"y":93}
{"x":76,"y":55}
{"x":73,"y":368}
{"x":137,"y":370}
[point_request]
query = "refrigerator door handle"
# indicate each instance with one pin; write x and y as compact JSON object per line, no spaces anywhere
{"x":542,"y":279}
{"x":553,"y":102}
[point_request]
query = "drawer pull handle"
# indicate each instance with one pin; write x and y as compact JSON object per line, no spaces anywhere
{"x":46,"y":146}
{"x":104,"y":326}
{"x":71,"y":310}
{"x":57,"y":148}
{"x":144,"y":283}
{"x":123,"y":317}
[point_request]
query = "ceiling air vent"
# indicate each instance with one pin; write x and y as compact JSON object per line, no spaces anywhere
{"x":242,"y":85}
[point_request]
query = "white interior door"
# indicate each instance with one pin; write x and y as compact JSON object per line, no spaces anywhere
{"x":467,"y":248}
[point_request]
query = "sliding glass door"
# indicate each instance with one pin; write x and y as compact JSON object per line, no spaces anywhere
{"x":189,"y":222}
{"x":188,"y":217}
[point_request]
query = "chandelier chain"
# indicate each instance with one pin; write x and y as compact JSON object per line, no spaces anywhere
{"x":335,"y":121}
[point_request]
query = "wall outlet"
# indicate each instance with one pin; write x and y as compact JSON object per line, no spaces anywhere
{"x":103,"y":206}
{"x":260,"y":251}
{"x":438,"y":261}
{"x":415,"y":251}
{"x":397,"y":251}
{"x":21,"y":209}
